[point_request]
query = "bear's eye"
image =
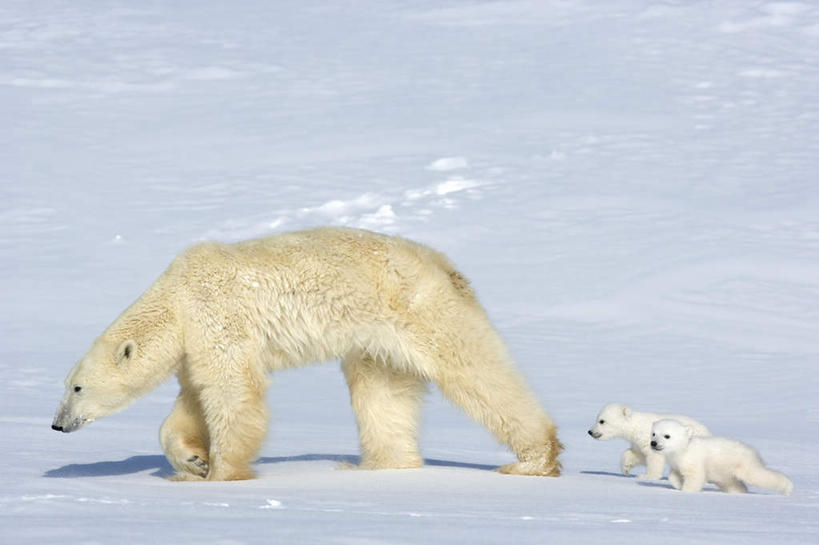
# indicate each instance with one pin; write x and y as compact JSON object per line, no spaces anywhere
{"x":602,"y":421}
{"x":667,"y":436}
{"x":77,"y":388}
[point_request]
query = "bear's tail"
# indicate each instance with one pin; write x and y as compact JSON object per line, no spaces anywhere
{"x":460,"y":283}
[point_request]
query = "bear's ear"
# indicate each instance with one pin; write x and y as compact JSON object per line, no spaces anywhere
{"x":627,"y":412}
{"x":689,"y":431}
{"x":126,"y":351}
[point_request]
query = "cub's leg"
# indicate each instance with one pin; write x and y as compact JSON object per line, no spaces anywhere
{"x":693,"y":481}
{"x":233,"y":402}
{"x":631,"y":457}
{"x":654,"y":467}
{"x":732,"y":486}
{"x":386,"y":402}
{"x":675,"y":479}
{"x":756,"y":474}
{"x":184,"y":435}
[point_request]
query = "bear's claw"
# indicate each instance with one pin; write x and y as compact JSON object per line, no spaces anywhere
{"x":200,"y":465}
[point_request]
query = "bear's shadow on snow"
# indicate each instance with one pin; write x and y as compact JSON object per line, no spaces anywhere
{"x":134,"y":464}
{"x":649,"y":484}
{"x":163,"y":469}
{"x":607,"y":474}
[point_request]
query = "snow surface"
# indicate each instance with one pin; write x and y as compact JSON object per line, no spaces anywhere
{"x":632,"y":187}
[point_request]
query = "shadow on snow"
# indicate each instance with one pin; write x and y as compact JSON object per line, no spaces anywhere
{"x":162,"y":468}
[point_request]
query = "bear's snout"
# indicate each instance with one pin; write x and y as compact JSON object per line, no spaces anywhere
{"x":66,"y":423}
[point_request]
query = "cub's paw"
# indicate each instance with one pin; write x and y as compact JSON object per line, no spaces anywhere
{"x":675,"y":480}
{"x":647,"y":477}
{"x":787,"y":488}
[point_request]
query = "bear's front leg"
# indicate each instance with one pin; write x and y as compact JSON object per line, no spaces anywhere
{"x":675,"y":479}
{"x":654,"y":467}
{"x":630,"y":458}
{"x":236,"y":417}
{"x":693,"y":480}
{"x":184,"y":436}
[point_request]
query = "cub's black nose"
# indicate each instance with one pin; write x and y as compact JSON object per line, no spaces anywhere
{"x":654,"y":443}
{"x":55,"y":427}
{"x":590,"y":433}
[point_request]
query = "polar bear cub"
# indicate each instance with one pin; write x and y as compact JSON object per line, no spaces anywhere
{"x":727,"y":463}
{"x":618,"y":421}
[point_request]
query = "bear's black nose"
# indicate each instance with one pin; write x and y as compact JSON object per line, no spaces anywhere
{"x":590,"y":433}
{"x":55,"y":427}
{"x":654,"y":443}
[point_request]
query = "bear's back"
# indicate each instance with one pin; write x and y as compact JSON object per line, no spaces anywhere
{"x":698,"y":428}
{"x":375,"y":276}
{"x":370,"y":257}
{"x":721,"y":454}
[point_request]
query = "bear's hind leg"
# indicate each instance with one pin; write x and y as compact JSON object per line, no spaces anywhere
{"x":757,"y":474}
{"x":386,"y":402}
{"x":474,"y":371}
{"x":732,"y":486}
{"x":184,"y":436}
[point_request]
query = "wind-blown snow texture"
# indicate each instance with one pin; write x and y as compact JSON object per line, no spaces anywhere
{"x":631,"y":186}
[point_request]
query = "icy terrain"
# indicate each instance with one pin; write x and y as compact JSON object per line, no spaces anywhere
{"x":633,"y":188}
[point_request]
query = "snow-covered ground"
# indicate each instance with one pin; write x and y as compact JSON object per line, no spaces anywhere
{"x":633,"y":188}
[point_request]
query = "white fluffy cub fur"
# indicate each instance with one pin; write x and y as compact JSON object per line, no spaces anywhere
{"x":615,"y":421}
{"x":727,"y":463}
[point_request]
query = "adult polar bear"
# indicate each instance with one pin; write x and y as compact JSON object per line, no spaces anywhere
{"x":221,"y":316}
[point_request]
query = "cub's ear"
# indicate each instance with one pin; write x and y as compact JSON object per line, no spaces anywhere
{"x":627,"y":412}
{"x":689,"y":431}
{"x":126,"y":351}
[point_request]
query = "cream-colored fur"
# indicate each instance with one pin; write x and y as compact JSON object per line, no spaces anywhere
{"x":729,"y":464}
{"x":615,"y":421}
{"x":222,"y":316}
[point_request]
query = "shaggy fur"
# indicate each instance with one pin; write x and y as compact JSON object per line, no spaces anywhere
{"x":222,"y":316}
{"x":618,"y":421}
{"x":727,"y":463}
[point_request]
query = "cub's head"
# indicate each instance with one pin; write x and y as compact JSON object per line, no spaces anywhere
{"x":96,"y":386}
{"x":669,"y":436}
{"x":611,"y":421}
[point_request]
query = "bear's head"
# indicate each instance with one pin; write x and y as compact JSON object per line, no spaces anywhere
{"x":98,"y":385}
{"x":138,"y":351}
{"x":669,"y":436}
{"x":611,"y":422}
